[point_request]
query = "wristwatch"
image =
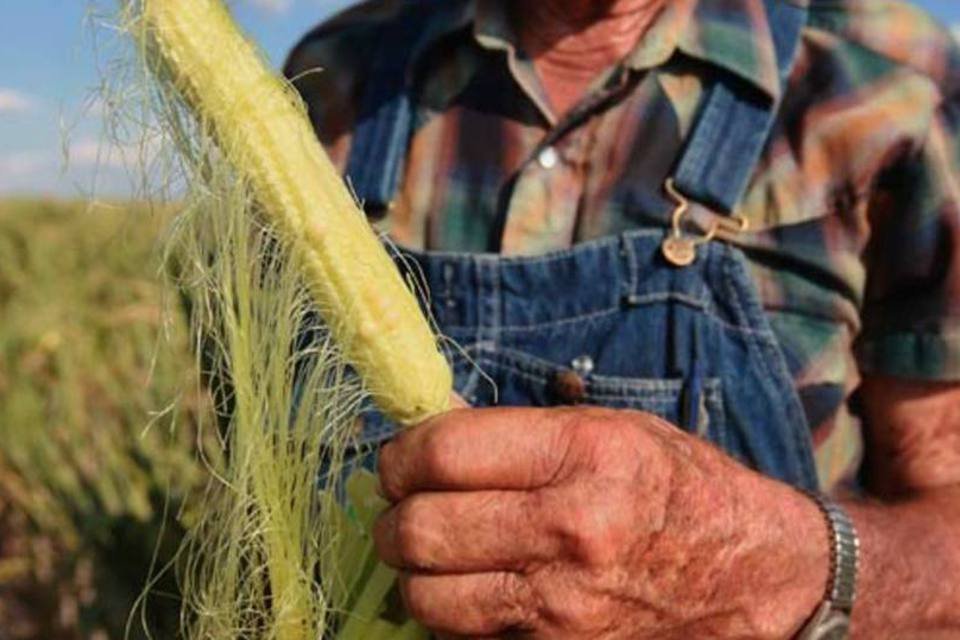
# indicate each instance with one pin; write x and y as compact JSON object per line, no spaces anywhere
{"x":831,"y":621}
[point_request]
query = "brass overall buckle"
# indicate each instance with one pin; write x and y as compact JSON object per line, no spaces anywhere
{"x":679,"y":248}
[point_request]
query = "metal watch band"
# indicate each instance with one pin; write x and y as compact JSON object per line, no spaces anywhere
{"x":845,"y":556}
{"x":831,"y":621}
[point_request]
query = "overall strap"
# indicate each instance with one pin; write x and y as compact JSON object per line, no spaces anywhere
{"x":733,"y":125}
{"x":385,"y":119}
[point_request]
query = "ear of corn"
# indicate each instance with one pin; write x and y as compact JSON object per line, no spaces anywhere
{"x":262,"y":128}
{"x":266,"y":533}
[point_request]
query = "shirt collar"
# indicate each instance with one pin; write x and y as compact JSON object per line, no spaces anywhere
{"x":733,"y":35}
{"x":736,"y":36}
{"x":492,"y":30}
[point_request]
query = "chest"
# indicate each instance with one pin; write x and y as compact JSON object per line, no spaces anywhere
{"x":483,"y":176}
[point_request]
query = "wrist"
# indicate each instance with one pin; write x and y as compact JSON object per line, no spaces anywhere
{"x":796,"y":570}
{"x":758,"y":552}
{"x":832,"y":618}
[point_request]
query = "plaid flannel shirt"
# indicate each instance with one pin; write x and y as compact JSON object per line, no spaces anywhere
{"x":854,"y":207}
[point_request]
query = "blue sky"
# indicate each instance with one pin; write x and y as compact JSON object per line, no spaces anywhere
{"x":48,"y":71}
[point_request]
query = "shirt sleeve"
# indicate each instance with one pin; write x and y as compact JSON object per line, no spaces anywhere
{"x":911,"y":312}
{"x":328,"y":68}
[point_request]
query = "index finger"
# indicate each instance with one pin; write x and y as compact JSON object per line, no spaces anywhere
{"x":477,"y":449}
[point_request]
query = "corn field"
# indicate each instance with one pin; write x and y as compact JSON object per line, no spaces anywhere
{"x":95,"y":466}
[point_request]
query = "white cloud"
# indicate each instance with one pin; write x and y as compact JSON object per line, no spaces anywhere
{"x":90,"y":152}
{"x":24,"y":163}
{"x":32,"y":171}
{"x":102,"y":154}
{"x":90,"y":167}
{"x":273,"y":6}
{"x":13,"y":101}
{"x":956,"y":31}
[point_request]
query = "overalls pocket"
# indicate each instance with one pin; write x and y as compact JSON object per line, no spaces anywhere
{"x":669,"y":399}
{"x":510,"y":377}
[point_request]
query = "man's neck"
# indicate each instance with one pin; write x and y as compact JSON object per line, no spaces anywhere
{"x":571,"y":42}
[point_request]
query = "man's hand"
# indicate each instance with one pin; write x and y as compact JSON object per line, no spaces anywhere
{"x":591,"y":523}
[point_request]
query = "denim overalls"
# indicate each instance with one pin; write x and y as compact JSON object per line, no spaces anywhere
{"x":612,"y":322}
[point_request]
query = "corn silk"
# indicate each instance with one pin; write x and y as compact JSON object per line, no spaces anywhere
{"x":299,"y":317}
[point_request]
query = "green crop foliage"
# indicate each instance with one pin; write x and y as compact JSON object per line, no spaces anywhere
{"x":95,"y":464}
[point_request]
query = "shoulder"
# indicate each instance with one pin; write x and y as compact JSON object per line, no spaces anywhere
{"x":334,"y":64}
{"x":343,"y":41}
{"x":882,"y":37}
{"x":329,"y":65}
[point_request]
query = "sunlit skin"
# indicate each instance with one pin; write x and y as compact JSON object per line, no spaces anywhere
{"x":593,"y":523}
{"x":571,"y":42}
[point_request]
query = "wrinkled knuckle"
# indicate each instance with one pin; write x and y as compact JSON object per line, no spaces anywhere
{"x":621,"y":437}
{"x":598,"y":552}
{"x":626,"y":447}
{"x":580,"y":430}
{"x":591,"y":541}
{"x":590,"y":616}
{"x":389,"y":473}
{"x":592,"y":440}
{"x":416,"y":598}
{"x":411,"y":518}
{"x":437,"y":453}
{"x":517,"y":606}
{"x":624,"y":430}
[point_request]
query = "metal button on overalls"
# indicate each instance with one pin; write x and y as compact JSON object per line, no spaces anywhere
{"x":568,"y":387}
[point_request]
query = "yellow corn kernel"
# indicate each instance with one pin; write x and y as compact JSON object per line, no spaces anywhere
{"x":262,"y":128}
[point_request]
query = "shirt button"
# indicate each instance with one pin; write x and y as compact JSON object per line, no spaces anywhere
{"x":547,"y":158}
{"x":567,"y":387}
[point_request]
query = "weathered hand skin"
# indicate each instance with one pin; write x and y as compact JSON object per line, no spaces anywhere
{"x":593,"y":523}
